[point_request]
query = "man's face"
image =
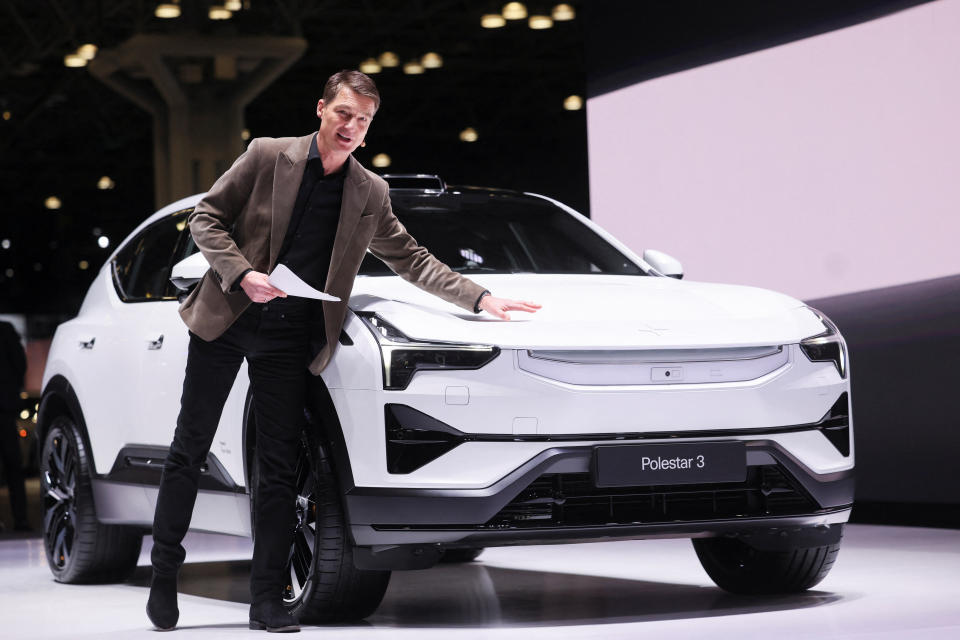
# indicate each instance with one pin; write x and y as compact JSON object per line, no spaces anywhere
{"x":344,"y":121}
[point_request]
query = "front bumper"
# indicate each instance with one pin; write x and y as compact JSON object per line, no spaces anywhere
{"x":550,"y":499}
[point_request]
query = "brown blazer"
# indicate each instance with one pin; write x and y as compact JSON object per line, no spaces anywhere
{"x":241,"y":223}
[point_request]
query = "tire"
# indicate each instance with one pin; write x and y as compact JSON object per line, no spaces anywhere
{"x":456,"y":556}
{"x":740,"y":568}
{"x":79,"y":549}
{"x":325,"y":586}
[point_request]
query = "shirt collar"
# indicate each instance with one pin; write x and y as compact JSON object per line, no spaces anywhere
{"x":314,"y":154}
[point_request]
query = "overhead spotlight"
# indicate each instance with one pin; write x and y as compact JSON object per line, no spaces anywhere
{"x":370,"y":65}
{"x":5,"y":243}
{"x":514,"y":11}
{"x":83,"y":265}
{"x":573,"y":103}
{"x":105,"y":183}
{"x":219,"y":12}
{"x":168,"y":9}
{"x":388,"y":59}
{"x":413,"y":68}
{"x":53,"y":202}
{"x":103,"y":242}
{"x":8,"y":272}
{"x":563,"y":12}
{"x":431,"y":60}
{"x":381,"y":160}
{"x":87,"y":51}
{"x":7,"y":115}
{"x":245,"y":135}
{"x":492,"y":21}
{"x":469,"y":135}
{"x":74,"y":60}
{"x":540,"y":22}
{"x":233,"y":5}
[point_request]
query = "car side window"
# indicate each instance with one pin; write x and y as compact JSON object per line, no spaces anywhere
{"x":141,"y":268}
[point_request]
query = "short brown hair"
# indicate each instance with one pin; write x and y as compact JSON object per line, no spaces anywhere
{"x":357,"y":81}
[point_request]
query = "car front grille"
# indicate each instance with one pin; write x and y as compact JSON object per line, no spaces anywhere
{"x":572,"y":500}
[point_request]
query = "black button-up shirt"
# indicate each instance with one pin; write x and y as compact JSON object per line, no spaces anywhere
{"x":309,"y":240}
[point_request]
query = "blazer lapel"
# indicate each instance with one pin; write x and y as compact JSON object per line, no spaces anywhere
{"x":356,"y":190}
{"x":286,"y":184}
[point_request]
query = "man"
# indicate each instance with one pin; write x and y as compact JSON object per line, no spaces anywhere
{"x":13,"y":366}
{"x":307,"y":203}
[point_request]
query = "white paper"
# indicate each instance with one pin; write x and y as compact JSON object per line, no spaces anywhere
{"x":290,"y":283}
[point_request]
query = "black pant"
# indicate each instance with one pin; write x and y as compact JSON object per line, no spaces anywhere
{"x":274,"y":338}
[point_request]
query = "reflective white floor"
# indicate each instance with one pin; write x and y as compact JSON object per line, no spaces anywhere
{"x":889,"y":582}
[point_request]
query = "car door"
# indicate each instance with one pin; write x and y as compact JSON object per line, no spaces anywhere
{"x":163,"y":346}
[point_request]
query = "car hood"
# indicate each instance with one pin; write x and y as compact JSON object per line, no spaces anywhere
{"x":596,"y":312}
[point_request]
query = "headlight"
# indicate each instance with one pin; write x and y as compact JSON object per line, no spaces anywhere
{"x":402,"y":357}
{"x":827,"y":346}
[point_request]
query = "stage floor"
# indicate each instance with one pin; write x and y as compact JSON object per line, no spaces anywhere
{"x":888,"y":582}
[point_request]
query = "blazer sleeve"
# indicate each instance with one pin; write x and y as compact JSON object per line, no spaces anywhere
{"x":400,"y":251}
{"x":212,"y":220}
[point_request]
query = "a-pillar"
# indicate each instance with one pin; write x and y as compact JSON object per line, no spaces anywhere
{"x":196,"y":89}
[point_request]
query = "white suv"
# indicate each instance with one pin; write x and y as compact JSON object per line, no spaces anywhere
{"x":633,"y":405}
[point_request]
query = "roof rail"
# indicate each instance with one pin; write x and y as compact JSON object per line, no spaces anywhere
{"x":415,"y":182}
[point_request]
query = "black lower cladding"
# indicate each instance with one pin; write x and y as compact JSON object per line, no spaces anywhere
{"x":573,"y":500}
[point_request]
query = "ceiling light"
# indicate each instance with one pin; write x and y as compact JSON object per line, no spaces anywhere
{"x":219,"y":12}
{"x":233,"y":5}
{"x":563,"y":12}
{"x":37,"y":266}
{"x":7,"y":115}
{"x":245,"y":134}
{"x":370,"y":65}
{"x":469,"y":135}
{"x":492,"y":21}
{"x":514,"y":11}
{"x":25,"y":414}
{"x":103,"y":242}
{"x":74,"y":60}
{"x":5,"y":243}
{"x":53,"y":202}
{"x":573,"y":103}
{"x":83,"y":265}
{"x":540,"y":22}
{"x":87,"y":51}
{"x":413,"y":68}
{"x":381,"y":160}
{"x":105,"y":182}
{"x":432,"y":60}
{"x":168,"y":9}
{"x":388,"y":59}
{"x":8,"y":272}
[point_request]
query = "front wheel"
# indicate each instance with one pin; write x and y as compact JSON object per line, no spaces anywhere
{"x":324,"y":584}
{"x":738,"y":567}
{"x":78,"y":547}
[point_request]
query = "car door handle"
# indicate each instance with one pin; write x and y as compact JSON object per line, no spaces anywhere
{"x":87,"y":344}
{"x":155,"y":343}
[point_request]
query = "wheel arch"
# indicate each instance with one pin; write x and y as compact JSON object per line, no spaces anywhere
{"x":58,"y":398}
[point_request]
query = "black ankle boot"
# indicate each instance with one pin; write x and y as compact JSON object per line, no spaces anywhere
{"x":272,"y":616}
{"x":162,"y":603}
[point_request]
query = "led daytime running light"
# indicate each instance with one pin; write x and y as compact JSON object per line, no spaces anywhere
{"x":403,"y":357}
{"x":826,"y":346}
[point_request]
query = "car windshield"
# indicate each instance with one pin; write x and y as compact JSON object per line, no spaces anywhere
{"x":494,"y":233}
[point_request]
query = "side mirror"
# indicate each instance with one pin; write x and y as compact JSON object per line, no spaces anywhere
{"x":188,"y":272}
{"x":663,"y":263}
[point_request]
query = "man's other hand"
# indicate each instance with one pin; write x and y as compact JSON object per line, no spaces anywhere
{"x":499,"y":306}
{"x":255,"y":285}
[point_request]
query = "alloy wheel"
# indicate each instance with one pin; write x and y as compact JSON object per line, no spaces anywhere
{"x":59,"y":484}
